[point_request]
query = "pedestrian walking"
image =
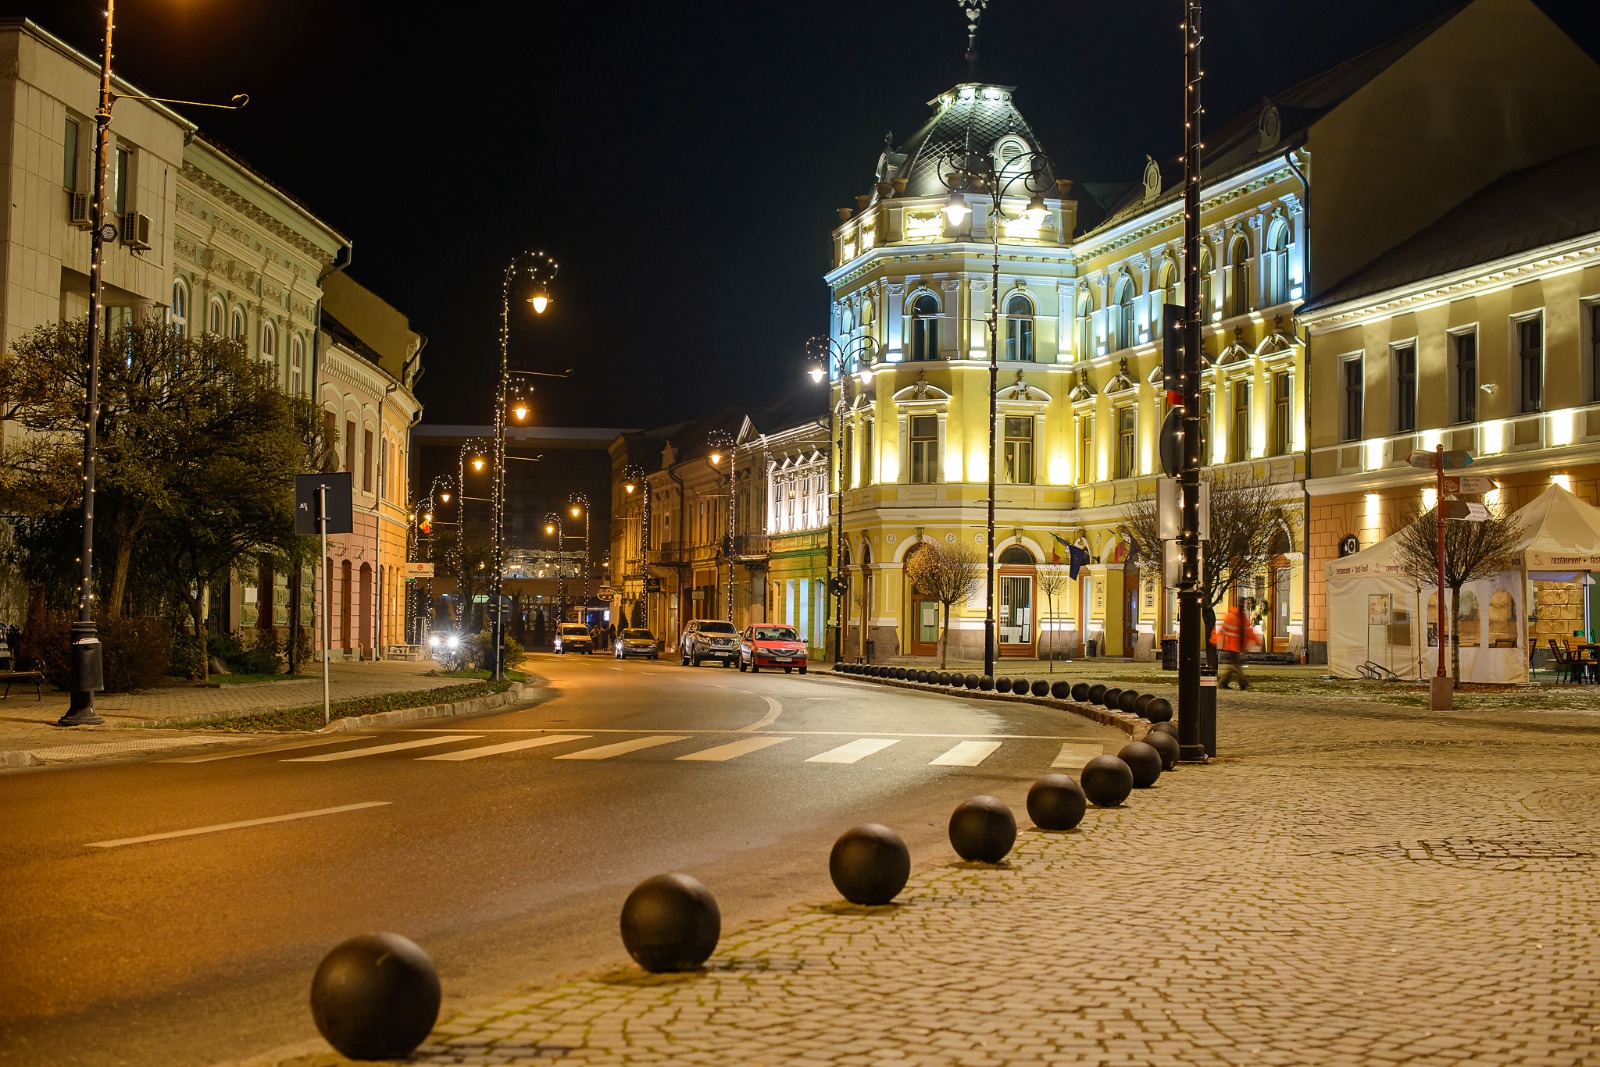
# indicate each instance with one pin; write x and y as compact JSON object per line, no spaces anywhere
{"x":1234,"y":635}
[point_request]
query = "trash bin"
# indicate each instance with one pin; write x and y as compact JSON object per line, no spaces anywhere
{"x":872,"y":650}
{"x":1094,"y":648}
{"x":1169,"y":653}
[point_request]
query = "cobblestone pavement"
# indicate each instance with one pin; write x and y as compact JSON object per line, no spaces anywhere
{"x":1350,"y":883}
{"x":28,"y":724}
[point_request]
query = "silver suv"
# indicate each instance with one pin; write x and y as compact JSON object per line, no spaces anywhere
{"x":705,"y":639}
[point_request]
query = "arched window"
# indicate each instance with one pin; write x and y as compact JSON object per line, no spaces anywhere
{"x":1019,"y":329}
{"x":180,"y":307}
{"x":214,"y":314}
{"x":847,"y":321}
{"x":1207,"y":268}
{"x":1085,"y":324}
{"x":1015,"y":556}
{"x":1239,"y":276}
{"x":925,"y":328}
{"x":1277,"y":264}
{"x":297,"y":365}
{"x":866,"y":311}
{"x":236,"y":324}
{"x":1122,"y":322}
{"x":269,"y":344}
{"x":1167,"y":283}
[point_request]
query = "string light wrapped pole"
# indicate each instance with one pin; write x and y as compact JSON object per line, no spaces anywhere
{"x":963,"y":174}
{"x":835,"y":362}
{"x":721,"y":444}
{"x":634,"y":481}
{"x":578,"y":503}
{"x":477,"y":448}
{"x":553,"y":525}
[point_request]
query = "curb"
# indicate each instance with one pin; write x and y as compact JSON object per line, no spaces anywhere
{"x":1132,"y":725}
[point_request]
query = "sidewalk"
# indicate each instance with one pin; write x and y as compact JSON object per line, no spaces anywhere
{"x":1350,"y":883}
{"x":27,"y":725}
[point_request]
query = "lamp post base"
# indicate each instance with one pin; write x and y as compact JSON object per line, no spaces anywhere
{"x":1440,"y":693}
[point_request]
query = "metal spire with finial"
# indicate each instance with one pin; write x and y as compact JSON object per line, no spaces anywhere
{"x":974,"y":11}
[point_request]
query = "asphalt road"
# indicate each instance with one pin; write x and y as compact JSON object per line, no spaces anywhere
{"x":142,"y":924}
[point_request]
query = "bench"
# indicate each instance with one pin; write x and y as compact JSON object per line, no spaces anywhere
{"x":36,"y":677}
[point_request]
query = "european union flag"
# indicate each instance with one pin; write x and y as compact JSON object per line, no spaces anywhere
{"x":1077,"y":558}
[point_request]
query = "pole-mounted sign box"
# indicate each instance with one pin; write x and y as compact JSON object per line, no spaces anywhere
{"x":1461,"y":509}
{"x":1469,"y":484}
{"x":419,"y":570}
{"x":1431,"y":461}
{"x":308,"y":503}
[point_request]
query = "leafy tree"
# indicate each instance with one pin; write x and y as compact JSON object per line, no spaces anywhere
{"x":1472,"y":551}
{"x":1052,"y":582}
{"x":946,"y":573}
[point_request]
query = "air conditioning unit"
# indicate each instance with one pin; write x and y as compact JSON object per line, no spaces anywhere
{"x":78,"y":210}
{"x":136,"y":230}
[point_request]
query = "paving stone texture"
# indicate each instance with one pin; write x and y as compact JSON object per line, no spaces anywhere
{"x":1351,"y":883}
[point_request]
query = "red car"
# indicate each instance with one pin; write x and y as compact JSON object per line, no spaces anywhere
{"x":771,"y":646}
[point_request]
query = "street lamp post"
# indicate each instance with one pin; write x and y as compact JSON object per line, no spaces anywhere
{"x":475,"y":448}
{"x":833,"y":361}
{"x":553,"y":525}
{"x":540,"y":270}
{"x":634,"y":481}
{"x":578,"y":503}
{"x":423,"y":522}
{"x":973,"y":172}
{"x":721,"y":443}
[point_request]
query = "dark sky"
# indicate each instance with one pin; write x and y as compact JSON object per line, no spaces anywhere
{"x":682,"y":161}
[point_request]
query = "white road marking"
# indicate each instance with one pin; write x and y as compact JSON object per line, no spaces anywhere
{"x":267,"y":751}
{"x":768,"y":719}
{"x":966,"y":754}
{"x":507,"y":746}
{"x":1073,"y":757}
{"x":735,"y":748}
{"x":357,"y":753}
{"x":622,"y":747}
{"x":856,"y":750}
{"x":235,"y":825}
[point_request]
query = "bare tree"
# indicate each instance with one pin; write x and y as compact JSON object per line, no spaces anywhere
{"x":1247,"y":514}
{"x":1472,"y":551}
{"x":1052,"y":582}
{"x":947,"y":573}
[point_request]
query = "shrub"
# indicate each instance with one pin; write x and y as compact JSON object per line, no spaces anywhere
{"x":134,"y":653}
{"x":187,"y":660}
{"x":224,"y":647}
{"x":262,"y":658}
{"x":476,"y":651}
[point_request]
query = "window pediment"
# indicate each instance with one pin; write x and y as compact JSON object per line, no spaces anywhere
{"x":921,"y":391}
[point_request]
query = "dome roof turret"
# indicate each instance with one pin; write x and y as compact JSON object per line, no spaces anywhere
{"x":972,"y":117}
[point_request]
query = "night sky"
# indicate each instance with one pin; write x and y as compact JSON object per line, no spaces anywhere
{"x":682,"y":161}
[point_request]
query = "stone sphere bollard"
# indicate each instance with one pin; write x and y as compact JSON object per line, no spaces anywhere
{"x":1056,"y":802}
{"x":1159,"y":710}
{"x":1109,"y":697}
{"x":972,"y":681}
{"x":922,"y":676}
{"x":1166,"y":745}
{"x":986,"y":683}
{"x":1019,"y":687}
{"x":1142,"y":703}
{"x":1127,"y":700}
{"x":944,"y":677}
{"x":869,"y":864}
{"x":1165,"y":727}
{"x":375,"y":997}
{"x":1041,"y":688}
{"x":900,"y":674}
{"x":1143,"y":760}
{"x":1080,"y":692}
{"x":1097,"y":693}
{"x":982,"y":830}
{"x":1061,"y":690}
{"x":1002,"y":685}
{"x":670,"y":923}
{"x":1106,"y":781}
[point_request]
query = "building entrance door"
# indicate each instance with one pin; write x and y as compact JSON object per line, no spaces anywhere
{"x":1014,"y":621}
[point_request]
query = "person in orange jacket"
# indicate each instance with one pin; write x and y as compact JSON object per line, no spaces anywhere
{"x":1234,"y":634}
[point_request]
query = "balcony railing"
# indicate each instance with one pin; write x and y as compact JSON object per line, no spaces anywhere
{"x":751,"y":545}
{"x":668,"y":554}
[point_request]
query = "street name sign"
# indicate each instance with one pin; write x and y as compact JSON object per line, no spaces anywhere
{"x":1430,"y":460}
{"x":1461,"y":509}
{"x":1470,"y":484}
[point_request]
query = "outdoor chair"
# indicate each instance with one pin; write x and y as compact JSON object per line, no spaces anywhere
{"x":1565,"y":662}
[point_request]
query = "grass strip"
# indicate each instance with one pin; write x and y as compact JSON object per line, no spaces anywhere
{"x":309,"y":717}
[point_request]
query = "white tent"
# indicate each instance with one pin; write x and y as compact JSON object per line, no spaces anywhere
{"x":1560,"y":541}
{"x":1379,"y":616}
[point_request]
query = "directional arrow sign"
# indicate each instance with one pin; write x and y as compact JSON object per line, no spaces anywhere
{"x":1470,"y":484}
{"x":1429,"y":460}
{"x":1460,"y":509}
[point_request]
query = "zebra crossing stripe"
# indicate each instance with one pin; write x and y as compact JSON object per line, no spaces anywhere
{"x":508,"y":746}
{"x":1073,"y":757}
{"x":357,"y":753}
{"x":621,"y":748}
{"x":735,"y":749}
{"x":966,"y":754}
{"x":854,"y":751}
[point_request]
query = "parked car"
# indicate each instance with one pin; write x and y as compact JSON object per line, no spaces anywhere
{"x":636,"y":642}
{"x":705,"y":639}
{"x":573,"y":637}
{"x":771,"y":646}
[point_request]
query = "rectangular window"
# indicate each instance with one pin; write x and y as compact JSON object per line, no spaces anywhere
{"x":924,"y":449}
{"x":847,"y":458}
{"x":1281,"y":413}
{"x":350,"y":446}
{"x":69,"y":155}
{"x":1239,"y":433}
{"x":1350,"y":370}
{"x":1086,"y":471}
{"x":1127,"y":420}
{"x":330,"y":429}
{"x":1530,"y":362}
{"x":1594,"y":351}
{"x":119,"y":183}
{"x":1017,"y":457}
{"x":1464,"y":353}
{"x":866,"y":453}
{"x":367,"y":457}
{"x":1405,"y":388}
